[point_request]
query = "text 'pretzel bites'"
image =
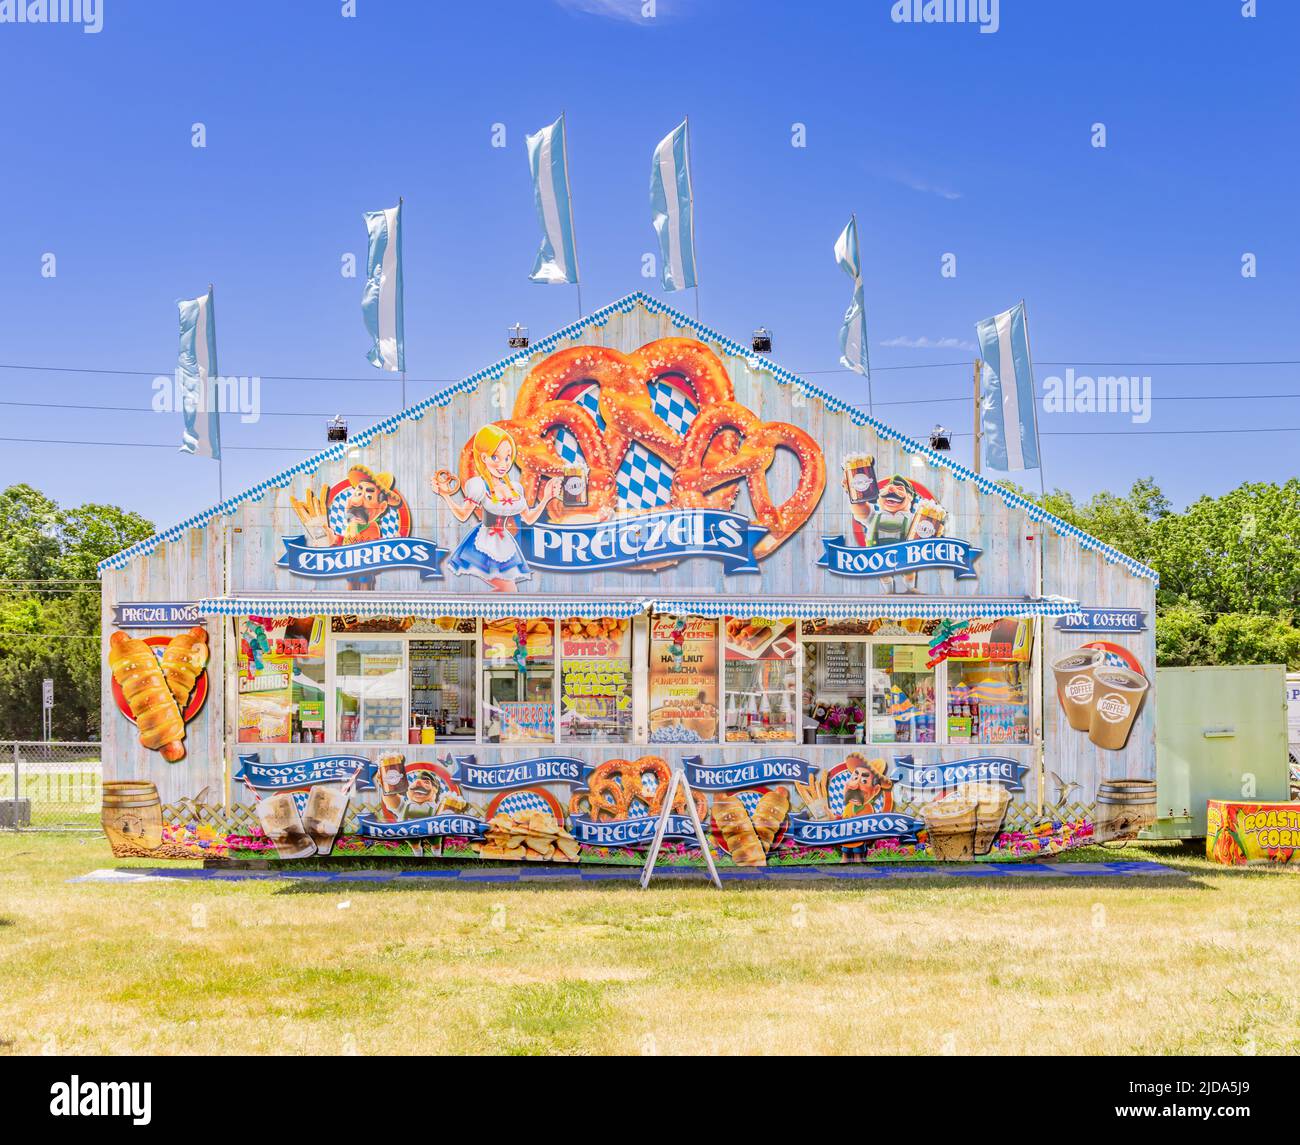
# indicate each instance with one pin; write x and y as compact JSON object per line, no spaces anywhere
{"x":700,"y":472}
{"x":726,"y":444}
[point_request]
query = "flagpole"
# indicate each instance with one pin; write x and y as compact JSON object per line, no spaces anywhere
{"x":1042,"y":481}
{"x":866,"y":341}
{"x":568,"y":186}
{"x":400,"y":201}
{"x":695,"y":256}
{"x":221,"y":473}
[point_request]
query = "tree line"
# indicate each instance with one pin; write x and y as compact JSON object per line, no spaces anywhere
{"x":1229,"y":566}
{"x":1229,"y":585}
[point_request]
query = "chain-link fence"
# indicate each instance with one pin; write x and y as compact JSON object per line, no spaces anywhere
{"x":50,"y":786}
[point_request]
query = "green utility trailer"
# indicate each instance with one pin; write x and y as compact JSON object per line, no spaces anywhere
{"x":1222,"y":734}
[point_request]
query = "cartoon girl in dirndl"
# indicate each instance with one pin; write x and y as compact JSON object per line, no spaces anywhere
{"x":490,"y":552}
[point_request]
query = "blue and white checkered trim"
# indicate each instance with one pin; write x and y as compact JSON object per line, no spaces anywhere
{"x":489,"y":608}
{"x":528,"y":607}
{"x":572,"y":333}
{"x":869,"y":608}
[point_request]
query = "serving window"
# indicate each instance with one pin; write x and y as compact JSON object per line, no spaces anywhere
{"x":657,"y":680}
{"x":370,"y":690}
{"x":761,"y":680}
{"x":519,"y":680}
{"x":683,"y":680}
{"x":440,"y":673}
{"x":595,"y":680}
{"x":281,"y":680}
{"x":989,"y":685}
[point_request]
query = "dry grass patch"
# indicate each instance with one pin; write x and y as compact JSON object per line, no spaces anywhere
{"x":1199,"y":964}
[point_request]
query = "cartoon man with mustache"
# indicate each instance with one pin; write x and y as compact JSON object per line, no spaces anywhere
{"x":420,"y":799}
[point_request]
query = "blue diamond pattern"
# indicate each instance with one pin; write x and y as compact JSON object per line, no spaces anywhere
{"x":644,"y":481}
{"x":518,"y":801}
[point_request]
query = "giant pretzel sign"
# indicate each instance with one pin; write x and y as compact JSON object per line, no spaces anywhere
{"x":725,"y":444}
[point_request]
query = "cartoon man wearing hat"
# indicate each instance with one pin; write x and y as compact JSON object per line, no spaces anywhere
{"x":367,"y":497}
{"x":892,"y":520}
{"x":371,"y":496}
{"x":420,"y":799}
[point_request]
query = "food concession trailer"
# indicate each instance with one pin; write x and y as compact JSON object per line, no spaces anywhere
{"x":492,"y":625}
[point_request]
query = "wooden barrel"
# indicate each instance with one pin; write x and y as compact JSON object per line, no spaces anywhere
{"x":132,"y":816}
{"x":1124,"y":807}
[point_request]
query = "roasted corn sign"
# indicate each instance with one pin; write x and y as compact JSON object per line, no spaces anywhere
{"x":1241,"y":833}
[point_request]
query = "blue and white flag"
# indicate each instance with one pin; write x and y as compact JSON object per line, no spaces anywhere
{"x":1008,"y":418}
{"x":381,"y":301}
{"x":196,"y":367}
{"x":673,"y":210}
{"x":853,"y":334}
{"x":548,"y":159}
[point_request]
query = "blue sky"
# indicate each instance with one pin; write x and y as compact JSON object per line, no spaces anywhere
{"x":941,"y":138}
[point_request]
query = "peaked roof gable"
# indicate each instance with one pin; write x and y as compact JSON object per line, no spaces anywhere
{"x":596,"y":319}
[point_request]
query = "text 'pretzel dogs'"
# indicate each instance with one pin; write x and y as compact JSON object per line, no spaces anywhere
{"x":725,"y":444}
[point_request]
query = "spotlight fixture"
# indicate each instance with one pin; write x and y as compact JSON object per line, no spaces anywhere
{"x":940,"y":439}
{"x":517,"y":337}
{"x":762,"y":340}
{"x":336,"y":429}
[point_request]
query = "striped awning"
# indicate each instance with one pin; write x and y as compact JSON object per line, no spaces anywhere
{"x":528,"y":606}
{"x":869,"y":608}
{"x":371,"y":604}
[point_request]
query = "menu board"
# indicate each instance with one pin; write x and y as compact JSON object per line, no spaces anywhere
{"x":842,"y":668}
{"x":435,"y":674}
{"x":683,"y":662}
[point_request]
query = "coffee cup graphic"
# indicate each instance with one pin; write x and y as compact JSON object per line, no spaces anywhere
{"x":1075,"y":674}
{"x":1116,"y":700}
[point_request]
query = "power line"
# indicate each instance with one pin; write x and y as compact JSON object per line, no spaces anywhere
{"x":144,"y":409}
{"x":158,"y":444}
{"x":1151,"y":432}
{"x":377,"y":377}
{"x":861,"y":405}
{"x":383,"y":376}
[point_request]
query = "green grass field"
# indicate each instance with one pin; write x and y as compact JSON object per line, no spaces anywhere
{"x":1200,"y":964}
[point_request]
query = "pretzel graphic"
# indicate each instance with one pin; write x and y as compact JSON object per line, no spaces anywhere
{"x":617,"y":783}
{"x":699,"y":473}
{"x":625,"y":407}
{"x":726,"y":443}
